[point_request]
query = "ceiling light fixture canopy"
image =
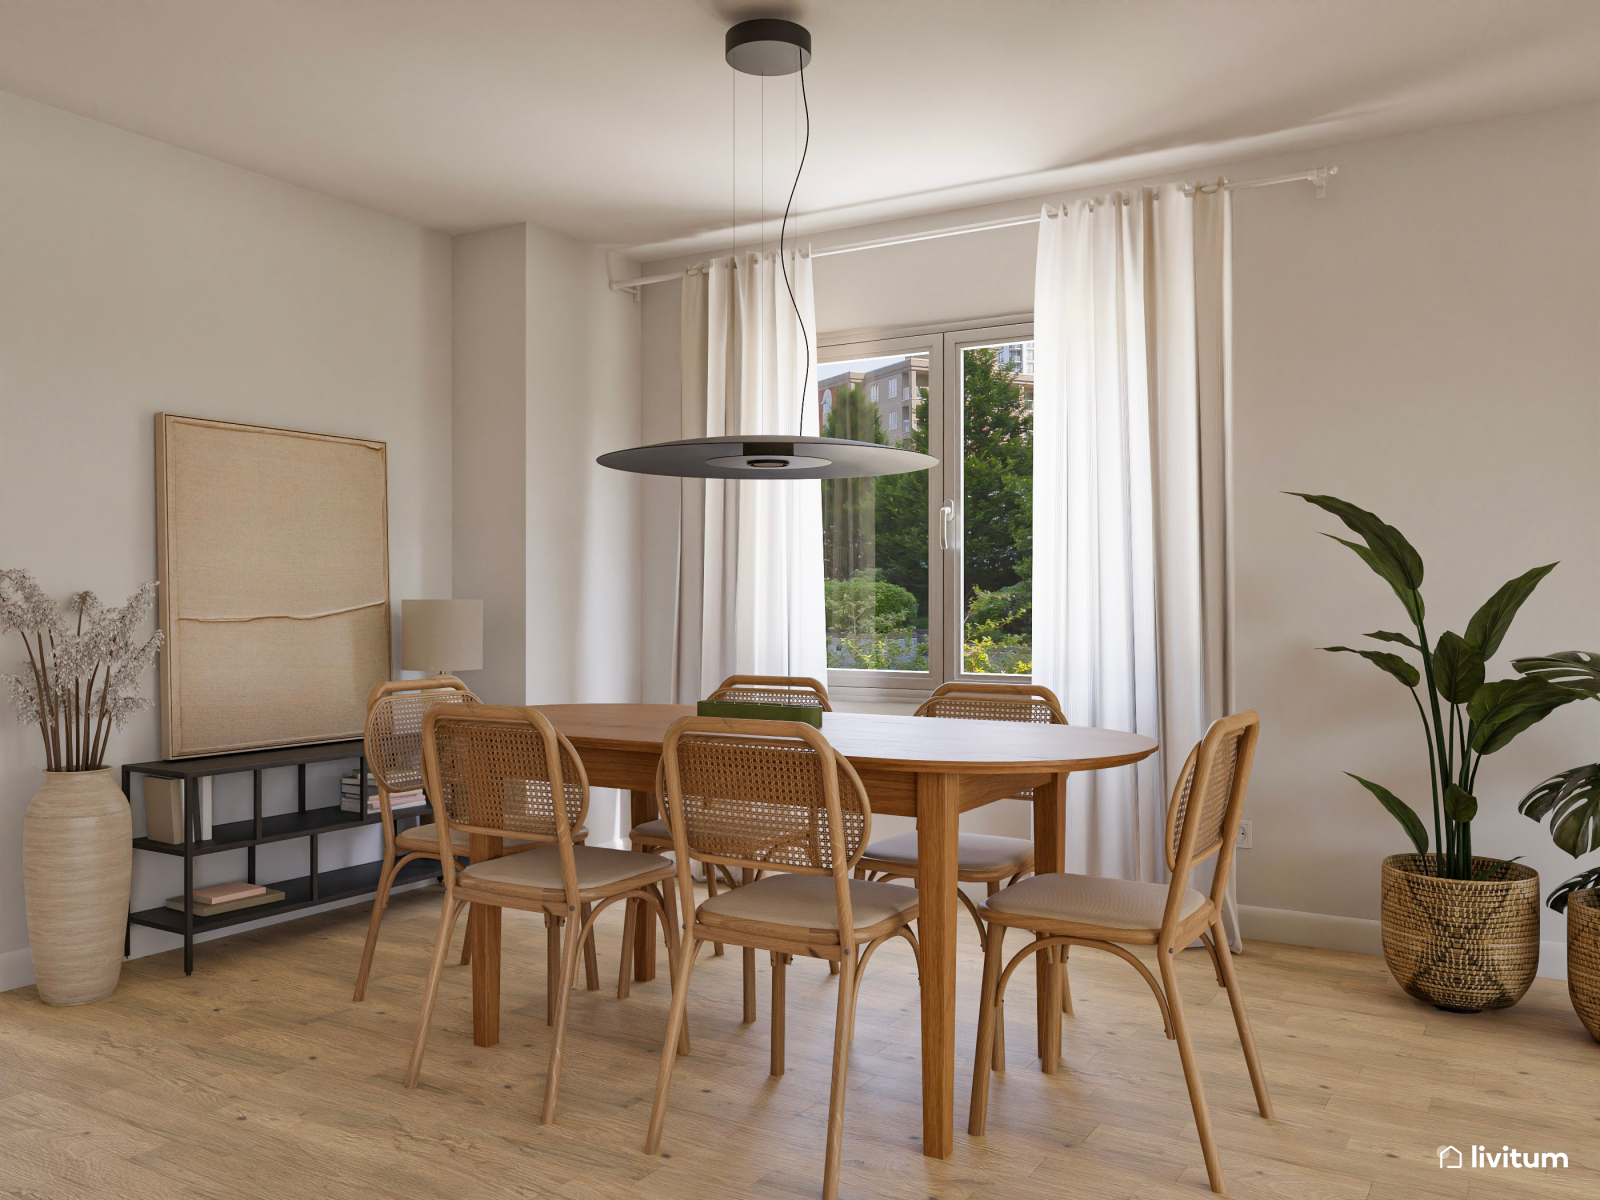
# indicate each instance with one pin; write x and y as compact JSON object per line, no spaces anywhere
{"x":764,"y":47}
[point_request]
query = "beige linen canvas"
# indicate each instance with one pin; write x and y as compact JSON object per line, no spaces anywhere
{"x":273,"y":552}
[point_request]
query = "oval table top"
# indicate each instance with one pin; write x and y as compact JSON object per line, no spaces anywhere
{"x":878,"y":740}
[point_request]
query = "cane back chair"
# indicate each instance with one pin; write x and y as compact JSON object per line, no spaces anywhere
{"x":495,"y":773}
{"x":393,"y":744}
{"x":652,"y":836}
{"x":1110,"y":914}
{"x":980,"y":858}
{"x":773,"y":797}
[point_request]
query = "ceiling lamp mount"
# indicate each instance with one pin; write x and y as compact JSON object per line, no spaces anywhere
{"x":768,"y":46}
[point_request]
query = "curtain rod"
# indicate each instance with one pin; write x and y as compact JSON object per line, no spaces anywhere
{"x":1316,"y":176}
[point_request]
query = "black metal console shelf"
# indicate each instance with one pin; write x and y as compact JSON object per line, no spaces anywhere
{"x":318,"y":887}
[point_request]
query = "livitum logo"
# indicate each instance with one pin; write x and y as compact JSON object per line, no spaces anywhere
{"x":1483,"y":1156}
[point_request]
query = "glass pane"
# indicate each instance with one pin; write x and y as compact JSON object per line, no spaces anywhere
{"x":875,"y":531}
{"x":997,"y":509}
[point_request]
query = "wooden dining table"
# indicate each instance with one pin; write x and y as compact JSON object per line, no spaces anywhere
{"x":929,"y":768}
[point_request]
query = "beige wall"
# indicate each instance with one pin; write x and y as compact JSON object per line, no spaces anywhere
{"x":137,"y":278}
{"x":489,"y":417}
{"x":1423,"y":342}
{"x":547,"y":378}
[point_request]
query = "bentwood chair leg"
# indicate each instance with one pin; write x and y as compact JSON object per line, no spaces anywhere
{"x":1247,"y":1040}
{"x":379,"y":902}
{"x":780,"y":962}
{"x":552,"y":960}
{"x":591,"y":960}
{"x":1050,"y":1008}
{"x":430,"y":991}
{"x":630,"y":921}
{"x":1000,"y":1012}
{"x":843,"y":1031}
{"x":466,"y":942}
{"x":711,"y":891}
{"x":746,"y":877}
{"x":669,"y":907}
{"x":984,"y":1055}
{"x":833,"y":967}
{"x":676,"y":1017}
{"x":1191,"y":1070}
{"x":1066,"y":983}
{"x":571,"y":944}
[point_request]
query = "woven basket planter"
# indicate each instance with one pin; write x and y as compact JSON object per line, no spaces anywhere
{"x":1583,"y":958}
{"x":1461,"y":945}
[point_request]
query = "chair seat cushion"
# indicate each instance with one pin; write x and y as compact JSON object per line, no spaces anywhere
{"x":539,"y":869}
{"x":1090,"y":900}
{"x":976,"y":853}
{"x":806,"y":902}
{"x":426,"y":839}
{"x":651,"y":831}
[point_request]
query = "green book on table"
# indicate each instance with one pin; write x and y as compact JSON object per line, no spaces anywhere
{"x":747,"y":710}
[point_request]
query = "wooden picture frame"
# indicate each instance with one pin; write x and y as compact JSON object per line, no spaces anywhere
{"x":273,"y":556}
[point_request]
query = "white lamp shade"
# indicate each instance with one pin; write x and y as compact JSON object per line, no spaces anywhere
{"x":441,"y":635}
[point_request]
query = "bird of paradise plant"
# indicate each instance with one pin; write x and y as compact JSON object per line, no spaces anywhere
{"x":1465,"y":717}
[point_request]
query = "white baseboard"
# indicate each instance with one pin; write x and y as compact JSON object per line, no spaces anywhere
{"x":1355,"y":934}
{"x":16,"y":969}
{"x":16,"y":966}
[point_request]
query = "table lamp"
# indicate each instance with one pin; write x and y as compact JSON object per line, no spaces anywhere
{"x":441,"y":636}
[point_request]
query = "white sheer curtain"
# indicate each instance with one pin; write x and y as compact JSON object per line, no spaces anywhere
{"x":1131,"y":605}
{"x":750,"y":595}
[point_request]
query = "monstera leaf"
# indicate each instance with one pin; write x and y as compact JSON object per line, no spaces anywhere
{"x":1489,"y":624}
{"x":1578,"y":883}
{"x":1400,"y":810}
{"x":1392,"y":663}
{"x":1501,"y":710}
{"x":1575,"y":669}
{"x":1572,"y":802}
{"x":1457,"y":669}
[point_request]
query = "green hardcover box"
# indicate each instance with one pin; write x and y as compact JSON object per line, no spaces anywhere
{"x":744,"y":710}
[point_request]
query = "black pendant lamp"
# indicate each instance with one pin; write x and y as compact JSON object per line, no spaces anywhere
{"x":771,"y":47}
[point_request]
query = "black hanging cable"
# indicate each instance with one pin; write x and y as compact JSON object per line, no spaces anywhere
{"x":805,"y":378}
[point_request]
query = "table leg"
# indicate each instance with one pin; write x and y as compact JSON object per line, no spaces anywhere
{"x":1049,"y":854}
{"x":644,"y":929}
{"x":938,"y":815}
{"x":483,"y":929}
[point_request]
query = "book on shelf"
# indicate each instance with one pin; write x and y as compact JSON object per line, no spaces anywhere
{"x":398,"y":802}
{"x":221,"y":893}
{"x":267,"y":895}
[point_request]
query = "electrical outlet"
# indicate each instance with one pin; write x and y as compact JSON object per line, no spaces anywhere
{"x":1246,"y":835}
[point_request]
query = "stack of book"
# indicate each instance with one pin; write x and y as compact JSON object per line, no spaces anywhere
{"x":225,"y":897}
{"x":350,"y":796}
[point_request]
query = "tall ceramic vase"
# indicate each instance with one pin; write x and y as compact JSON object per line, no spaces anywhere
{"x":77,"y":864}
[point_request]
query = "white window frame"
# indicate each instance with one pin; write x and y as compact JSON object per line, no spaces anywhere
{"x":943,"y":344}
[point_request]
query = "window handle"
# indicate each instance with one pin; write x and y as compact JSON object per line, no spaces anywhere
{"x":947,"y":516}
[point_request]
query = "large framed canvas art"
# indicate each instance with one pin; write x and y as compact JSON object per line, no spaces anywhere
{"x":273,"y":556}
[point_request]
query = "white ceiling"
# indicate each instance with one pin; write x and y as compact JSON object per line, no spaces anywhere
{"x":609,"y":120}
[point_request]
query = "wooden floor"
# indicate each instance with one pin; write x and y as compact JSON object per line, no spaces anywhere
{"x":258,"y":1078}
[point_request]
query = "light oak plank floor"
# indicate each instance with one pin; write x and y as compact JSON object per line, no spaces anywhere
{"x":258,"y":1079}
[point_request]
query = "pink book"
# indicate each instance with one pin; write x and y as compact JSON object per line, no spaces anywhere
{"x":221,"y":893}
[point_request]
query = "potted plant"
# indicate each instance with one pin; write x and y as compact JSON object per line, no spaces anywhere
{"x":1460,"y":930}
{"x":79,"y":681}
{"x":1572,"y":802}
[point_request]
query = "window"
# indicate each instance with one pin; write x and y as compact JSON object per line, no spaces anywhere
{"x":928,"y":575}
